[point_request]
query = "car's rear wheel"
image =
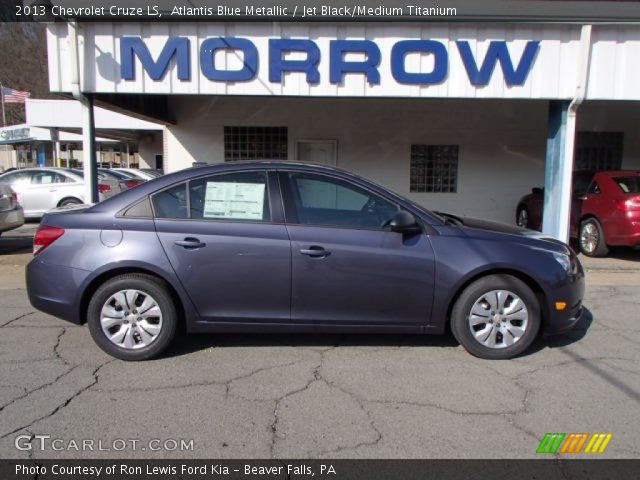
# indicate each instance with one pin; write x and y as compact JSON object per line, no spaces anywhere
{"x":69,"y":201}
{"x":132,"y":317}
{"x":591,"y":238}
{"x":496,"y":317}
{"x":522,"y":217}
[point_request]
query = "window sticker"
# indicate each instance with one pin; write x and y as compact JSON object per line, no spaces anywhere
{"x":240,"y":201}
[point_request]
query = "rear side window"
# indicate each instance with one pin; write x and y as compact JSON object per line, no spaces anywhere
{"x":231,"y":196}
{"x":141,"y":209}
{"x":628,"y":184}
{"x":172,"y":202}
{"x":44,"y":178}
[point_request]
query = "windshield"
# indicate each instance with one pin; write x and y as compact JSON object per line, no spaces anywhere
{"x":630,"y":184}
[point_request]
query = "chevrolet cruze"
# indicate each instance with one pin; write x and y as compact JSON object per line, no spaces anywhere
{"x":281,"y":246}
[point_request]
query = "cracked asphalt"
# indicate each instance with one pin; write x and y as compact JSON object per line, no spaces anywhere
{"x":319,"y":396}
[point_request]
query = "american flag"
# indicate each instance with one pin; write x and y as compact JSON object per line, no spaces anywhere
{"x":9,"y":95}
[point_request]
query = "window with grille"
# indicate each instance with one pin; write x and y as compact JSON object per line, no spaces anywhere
{"x":255,"y":143}
{"x":434,"y":168}
{"x":598,"y":151}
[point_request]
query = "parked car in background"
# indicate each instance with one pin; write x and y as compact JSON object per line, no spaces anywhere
{"x":137,"y":173}
{"x":109,"y":176}
{"x":11,"y":214}
{"x":152,"y":171}
{"x":605,"y":210}
{"x":41,"y":189}
{"x":283,"y":246}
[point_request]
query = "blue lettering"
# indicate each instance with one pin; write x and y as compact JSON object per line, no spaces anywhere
{"x":178,"y":46}
{"x":338,"y":67}
{"x":498,"y":52}
{"x":278,"y":65}
{"x":440,"y":57}
{"x":208,"y":65}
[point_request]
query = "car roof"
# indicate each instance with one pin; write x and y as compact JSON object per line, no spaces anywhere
{"x":618,"y":173}
{"x":129,"y":196}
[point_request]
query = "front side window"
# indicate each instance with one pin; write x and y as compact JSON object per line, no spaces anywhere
{"x":232,"y":196}
{"x":172,"y":202}
{"x":15,"y":178}
{"x":323,"y":200}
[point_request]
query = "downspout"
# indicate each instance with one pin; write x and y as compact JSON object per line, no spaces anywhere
{"x":569,"y":144}
{"x":88,"y":127}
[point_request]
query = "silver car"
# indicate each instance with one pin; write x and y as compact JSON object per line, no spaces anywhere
{"x":41,"y":189}
{"x":11,"y":214}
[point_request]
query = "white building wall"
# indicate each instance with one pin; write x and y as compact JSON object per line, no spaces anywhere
{"x":613,"y":73}
{"x":501,"y":156}
{"x":149,"y":146}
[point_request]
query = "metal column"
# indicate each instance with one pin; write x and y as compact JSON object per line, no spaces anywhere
{"x":558,"y":171}
{"x":89,"y":151}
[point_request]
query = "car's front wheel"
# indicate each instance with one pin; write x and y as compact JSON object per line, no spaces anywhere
{"x":496,"y":317}
{"x":522,"y":217}
{"x":69,"y":201}
{"x":591,"y":238}
{"x":132,"y":317}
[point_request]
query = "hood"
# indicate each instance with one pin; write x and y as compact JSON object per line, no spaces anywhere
{"x":477,"y":227}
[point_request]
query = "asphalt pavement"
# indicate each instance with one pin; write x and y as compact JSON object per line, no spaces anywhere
{"x":288,"y":396}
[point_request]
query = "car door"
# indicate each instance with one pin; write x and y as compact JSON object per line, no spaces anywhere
{"x":20,"y":181}
{"x":225,"y":238}
{"x":44,"y":190}
{"x":347,"y":268}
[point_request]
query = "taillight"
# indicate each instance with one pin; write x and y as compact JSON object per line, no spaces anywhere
{"x":45,"y":236}
{"x":14,"y":198}
{"x":628,"y":204}
{"x":104,"y":188}
{"x":132,"y":183}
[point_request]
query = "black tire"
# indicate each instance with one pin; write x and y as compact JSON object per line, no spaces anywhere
{"x":151,"y":285}
{"x":69,"y":201}
{"x":461,"y":311}
{"x":592,"y":226}
{"x":520,"y":211}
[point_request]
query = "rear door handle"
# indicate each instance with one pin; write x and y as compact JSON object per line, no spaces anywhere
{"x":315,"y":251}
{"x":190,"y":243}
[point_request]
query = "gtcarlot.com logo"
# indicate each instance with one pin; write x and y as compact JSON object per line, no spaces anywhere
{"x":574,"y":443}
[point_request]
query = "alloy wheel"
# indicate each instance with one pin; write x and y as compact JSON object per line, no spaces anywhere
{"x":589,"y":237}
{"x":131,"y":319}
{"x":498,"y":319}
{"x":523,"y":218}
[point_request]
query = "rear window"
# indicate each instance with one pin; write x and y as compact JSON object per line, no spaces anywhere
{"x":628,"y":184}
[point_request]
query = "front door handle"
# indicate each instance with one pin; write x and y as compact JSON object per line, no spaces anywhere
{"x":190,"y":243}
{"x":315,"y":251}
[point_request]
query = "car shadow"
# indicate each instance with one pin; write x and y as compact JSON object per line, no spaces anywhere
{"x":187,"y":344}
{"x":14,"y":245}
{"x":577,"y":333}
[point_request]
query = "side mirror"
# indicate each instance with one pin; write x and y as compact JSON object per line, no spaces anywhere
{"x":536,"y":191}
{"x":405,"y":223}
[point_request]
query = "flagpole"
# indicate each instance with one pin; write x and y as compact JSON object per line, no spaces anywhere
{"x":4,"y":118}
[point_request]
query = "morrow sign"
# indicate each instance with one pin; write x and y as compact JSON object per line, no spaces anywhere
{"x":479,"y":70}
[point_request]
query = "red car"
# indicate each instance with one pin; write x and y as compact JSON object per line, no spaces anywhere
{"x":605,"y":210}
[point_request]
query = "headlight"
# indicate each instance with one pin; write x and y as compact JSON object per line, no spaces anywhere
{"x":565,"y":261}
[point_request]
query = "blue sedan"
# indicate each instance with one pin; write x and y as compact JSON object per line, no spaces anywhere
{"x":282,"y":246}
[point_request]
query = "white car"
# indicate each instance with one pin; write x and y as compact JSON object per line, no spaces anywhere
{"x":41,"y":189}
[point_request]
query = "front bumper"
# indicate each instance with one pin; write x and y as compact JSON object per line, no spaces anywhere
{"x":571,"y":292}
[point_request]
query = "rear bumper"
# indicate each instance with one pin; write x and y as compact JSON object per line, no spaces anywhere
{"x":11,"y":219}
{"x":55,"y":290}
